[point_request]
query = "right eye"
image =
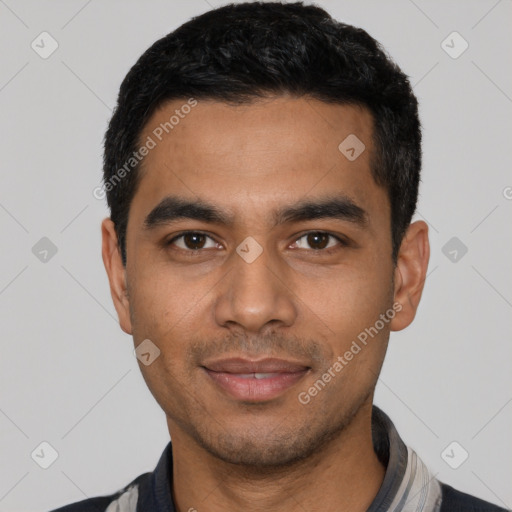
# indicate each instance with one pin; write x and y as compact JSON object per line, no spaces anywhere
{"x":191,"y":241}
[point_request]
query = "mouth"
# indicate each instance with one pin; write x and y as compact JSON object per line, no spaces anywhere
{"x":255,"y":381}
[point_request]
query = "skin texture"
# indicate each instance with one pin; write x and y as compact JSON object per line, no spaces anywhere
{"x":295,"y":301}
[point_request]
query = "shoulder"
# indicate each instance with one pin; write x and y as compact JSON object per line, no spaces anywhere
{"x":454,"y":501}
{"x":125,"y":499}
{"x":98,"y":504}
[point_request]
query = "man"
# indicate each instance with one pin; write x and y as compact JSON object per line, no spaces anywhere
{"x":262,"y":170}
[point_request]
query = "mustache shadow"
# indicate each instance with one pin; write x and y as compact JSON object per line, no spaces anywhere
{"x":270,"y":345}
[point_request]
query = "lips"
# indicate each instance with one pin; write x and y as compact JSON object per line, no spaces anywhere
{"x":255,"y":380}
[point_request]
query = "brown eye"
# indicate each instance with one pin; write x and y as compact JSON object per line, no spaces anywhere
{"x":318,"y":240}
{"x":192,"y":241}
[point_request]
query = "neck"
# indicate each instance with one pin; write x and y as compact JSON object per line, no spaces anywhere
{"x":345,"y":475}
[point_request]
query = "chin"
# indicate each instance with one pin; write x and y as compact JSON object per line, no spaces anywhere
{"x":270,"y":447}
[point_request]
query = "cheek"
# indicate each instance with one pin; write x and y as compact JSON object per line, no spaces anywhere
{"x":163,"y":308}
{"x":157,"y":300}
{"x":171,"y":309}
{"x":349,"y":311}
{"x":346,"y":302}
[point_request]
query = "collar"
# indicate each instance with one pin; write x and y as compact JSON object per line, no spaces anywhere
{"x":408,"y":485}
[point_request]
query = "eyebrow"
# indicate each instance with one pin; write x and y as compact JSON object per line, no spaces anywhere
{"x":174,"y":208}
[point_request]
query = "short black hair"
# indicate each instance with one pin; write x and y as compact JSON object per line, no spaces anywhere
{"x":240,"y":52}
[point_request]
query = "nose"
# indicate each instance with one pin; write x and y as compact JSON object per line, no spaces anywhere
{"x":255,"y":294}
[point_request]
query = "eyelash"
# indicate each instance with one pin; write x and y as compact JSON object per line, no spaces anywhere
{"x":193,"y":252}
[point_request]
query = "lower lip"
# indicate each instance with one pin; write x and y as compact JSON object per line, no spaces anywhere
{"x":255,"y":390}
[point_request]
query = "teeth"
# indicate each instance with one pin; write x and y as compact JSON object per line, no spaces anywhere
{"x":255,"y":375}
{"x":263,"y":375}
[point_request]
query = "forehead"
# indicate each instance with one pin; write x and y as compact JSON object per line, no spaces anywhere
{"x":259,"y":155}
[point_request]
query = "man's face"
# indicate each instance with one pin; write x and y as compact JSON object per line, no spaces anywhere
{"x":218,"y":314}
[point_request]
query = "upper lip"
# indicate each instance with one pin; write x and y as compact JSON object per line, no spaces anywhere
{"x":243,"y":366}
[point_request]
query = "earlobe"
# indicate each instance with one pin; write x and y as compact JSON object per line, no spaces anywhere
{"x":116,"y":273}
{"x":410,"y":273}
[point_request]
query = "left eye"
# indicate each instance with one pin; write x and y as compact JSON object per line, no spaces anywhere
{"x":318,"y":240}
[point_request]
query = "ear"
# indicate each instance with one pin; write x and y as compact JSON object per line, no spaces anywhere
{"x":116,"y":273}
{"x":410,"y":273}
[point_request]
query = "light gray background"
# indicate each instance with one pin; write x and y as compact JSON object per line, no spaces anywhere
{"x":67,"y":372}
